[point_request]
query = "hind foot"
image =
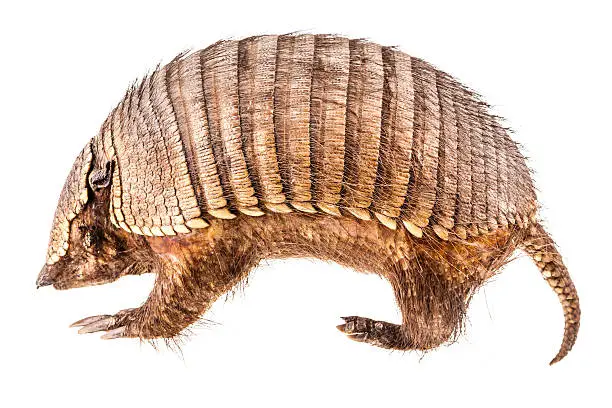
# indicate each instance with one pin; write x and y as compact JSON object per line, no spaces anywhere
{"x":377,"y":333}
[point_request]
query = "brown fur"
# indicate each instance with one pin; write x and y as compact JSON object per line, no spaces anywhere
{"x":433,"y":280}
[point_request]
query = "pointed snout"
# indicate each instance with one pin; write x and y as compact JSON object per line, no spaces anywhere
{"x":44,"y":277}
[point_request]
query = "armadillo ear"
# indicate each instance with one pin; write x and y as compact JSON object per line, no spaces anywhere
{"x":101,"y":178}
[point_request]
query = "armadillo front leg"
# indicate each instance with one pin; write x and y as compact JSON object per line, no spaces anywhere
{"x":169,"y":309}
{"x":185,"y":287}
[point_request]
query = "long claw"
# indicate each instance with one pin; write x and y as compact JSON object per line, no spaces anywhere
{"x":360,"y":337}
{"x":355,"y":326}
{"x":99,"y":325}
{"x":114,"y":334}
{"x":88,"y":320}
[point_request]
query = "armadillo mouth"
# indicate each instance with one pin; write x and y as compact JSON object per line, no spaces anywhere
{"x":44,"y":277}
{"x":73,"y":198}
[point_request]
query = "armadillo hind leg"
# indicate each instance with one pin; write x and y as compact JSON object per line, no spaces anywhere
{"x":432,"y":310}
{"x":378,"y":333}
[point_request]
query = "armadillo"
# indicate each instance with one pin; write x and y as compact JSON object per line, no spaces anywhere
{"x":300,"y":146}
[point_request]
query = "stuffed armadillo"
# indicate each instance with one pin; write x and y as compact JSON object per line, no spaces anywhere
{"x":300,"y":146}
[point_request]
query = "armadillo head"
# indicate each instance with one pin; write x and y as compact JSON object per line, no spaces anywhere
{"x":85,"y":248}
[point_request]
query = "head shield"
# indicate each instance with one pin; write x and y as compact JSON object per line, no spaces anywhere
{"x":72,"y":200}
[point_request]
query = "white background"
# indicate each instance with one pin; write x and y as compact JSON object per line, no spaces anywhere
{"x":546,"y":68}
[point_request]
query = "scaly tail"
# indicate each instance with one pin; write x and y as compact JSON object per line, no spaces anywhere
{"x":542,"y":250}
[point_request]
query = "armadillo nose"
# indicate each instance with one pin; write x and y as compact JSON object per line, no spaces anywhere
{"x":44,"y":278}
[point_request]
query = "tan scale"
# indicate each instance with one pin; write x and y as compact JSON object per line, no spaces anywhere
{"x":146,"y":205}
{"x":184,"y":194}
{"x":220,"y":71}
{"x":303,"y":207}
{"x":133,"y":201}
{"x":222,"y":213}
{"x":197,"y":134}
{"x":440,"y":231}
{"x":252,"y":211}
{"x":167,"y":230}
{"x":157,"y":232}
{"x":158,"y":176}
{"x":463,"y":208}
{"x":422,"y":196}
{"x":281,"y":208}
{"x":187,"y":183}
{"x":293,"y":80}
{"x":328,"y":119}
{"x":111,"y":213}
{"x":181,"y":228}
{"x":444,"y":210}
{"x":513,"y":174}
{"x":126,"y":137}
{"x":413,"y":229}
{"x":528,"y":202}
{"x":141,"y":205}
{"x":386,"y":221}
{"x":363,"y":126}
{"x":397,"y":128}
{"x":116,"y":191}
{"x":502,"y":174}
{"x":491,"y":171}
{"x":256,"y":75}
{"x":124,"y":226}
{"x":478,"y":216}
{"x":197,"y":223}
{"x":461,"y":232}
{"x":360,"y":213}
{"x":123,"y":167}
{"x":329,"y":209}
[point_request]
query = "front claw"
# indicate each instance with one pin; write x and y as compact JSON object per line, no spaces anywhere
{"x":377,"y":333}
{"x":116,"y":326}
{"x":114,"y":333}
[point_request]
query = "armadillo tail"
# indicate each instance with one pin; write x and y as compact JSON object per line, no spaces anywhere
{"x":541,"y":248}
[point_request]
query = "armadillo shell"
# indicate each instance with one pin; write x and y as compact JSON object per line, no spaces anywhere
{"x":304,"y":123}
